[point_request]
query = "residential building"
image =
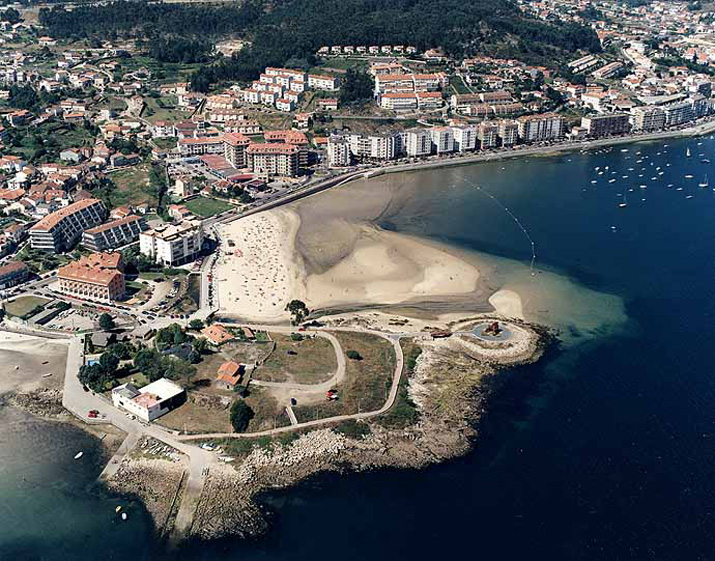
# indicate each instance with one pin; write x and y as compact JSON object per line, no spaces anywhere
{"x":465,"y":138}
{"x":418,"y":142}
{"x":487,"y":134}
{"x":114,"y":234}
{"x":273,"y":159}
{"x":234,"y":149}
{"x":678,"y":113}
{"x":538,"y":128}
{"x":323,"y":82}
{"x":443,"y":139}
{"x":508,"y":132}
{"x":98,"y":277}
{"x":201,"y":145}
{"x":217,"y":334}
{"x":384,"y":146}
{"x":150,"y":402}
{"x":172,"y":244}
{"x":338,"y":152}
{"x":398,"y":101}
{"x":229,"y":375}
{"x":13,"y":273}
{"x":60,"y":230}
{"x":606,"y":125}
{"x":648,"y":118}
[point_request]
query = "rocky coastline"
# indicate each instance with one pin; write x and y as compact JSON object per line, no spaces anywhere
{"x":451,"y":385}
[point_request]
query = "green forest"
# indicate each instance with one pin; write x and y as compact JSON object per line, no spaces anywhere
{"x":292,"y":30}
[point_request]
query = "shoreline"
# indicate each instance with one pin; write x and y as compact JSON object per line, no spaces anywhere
{"x":309,"y":190}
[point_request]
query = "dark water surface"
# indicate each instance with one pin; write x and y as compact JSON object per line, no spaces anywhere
{"x":604,"y":450}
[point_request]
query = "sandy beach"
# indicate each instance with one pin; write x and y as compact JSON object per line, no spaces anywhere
{"x":257,"y":270}
{"x":25,"y":359}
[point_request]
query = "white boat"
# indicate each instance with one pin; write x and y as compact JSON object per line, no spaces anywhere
{"x":669,"y":185}
{"x":704,"y":183}
{"x":644,"y":186}
{"x":624,"y":202}
{"x":611,"y":180}
{"x":688,"y":176}
{"x":47,"y":375}
{"x":688,"y":196}
{"x":594,"y":182}
{"x":118,"y":509}
{"x":679,"y":189}
{"x":78,"y":455}
{"x":687,"y":152}
{"x":124,"y":516}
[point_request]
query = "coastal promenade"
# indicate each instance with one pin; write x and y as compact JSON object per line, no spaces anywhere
{"x":456,"y":159}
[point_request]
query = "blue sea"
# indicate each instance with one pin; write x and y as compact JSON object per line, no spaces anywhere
{"x":605,"y":449}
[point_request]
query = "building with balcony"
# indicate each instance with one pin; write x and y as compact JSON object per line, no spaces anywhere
{"x":172,"y":244}
{"x":60,"y":230}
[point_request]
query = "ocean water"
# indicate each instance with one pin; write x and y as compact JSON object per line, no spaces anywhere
{"x":603,"y":450}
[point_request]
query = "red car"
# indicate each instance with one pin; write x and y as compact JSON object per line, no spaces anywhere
{"x":93,"y":414}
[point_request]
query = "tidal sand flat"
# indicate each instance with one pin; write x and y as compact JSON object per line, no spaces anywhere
{"x":28,"y":363}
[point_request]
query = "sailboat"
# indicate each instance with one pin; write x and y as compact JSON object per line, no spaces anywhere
{"x":704,"y":183}
{"x":624,"y":202}
{"x":687,"y":152}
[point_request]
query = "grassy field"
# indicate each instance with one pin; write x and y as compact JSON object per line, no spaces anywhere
{"x":165,"y":143}
{"x":268,"y":413}
{"x":189,"y":303}
{"x":132,"y":184}
{"x":367,"y":381}
{"x":205,"y":207}
{"x":309,"y":361}
{"x":162,"y":109}
{"x":22,"y":306}
{"x":193,"y":418}
{"x":403,"y":413}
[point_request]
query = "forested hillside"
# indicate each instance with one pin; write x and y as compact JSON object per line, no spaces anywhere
{"x":292,"y":30}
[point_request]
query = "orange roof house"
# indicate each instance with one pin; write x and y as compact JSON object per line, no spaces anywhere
{"x":217,"y":334}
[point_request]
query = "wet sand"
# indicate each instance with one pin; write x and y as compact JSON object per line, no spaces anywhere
{"x":25,"y":359}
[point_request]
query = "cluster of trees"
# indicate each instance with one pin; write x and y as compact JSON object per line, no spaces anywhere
{"x":154,"y":366}
{"x":298,"y":310}
{"x":100,"y":375}
{"x":241,"y":414}
{"x":146,"y":20}
{"x":174,"y":335}
{"x":357,"y":87}
{"x":179,"y":49}
{"x":234,"y":192}
{"x":292,"y":30}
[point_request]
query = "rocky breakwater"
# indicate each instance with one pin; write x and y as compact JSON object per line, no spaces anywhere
{"x":41,"y":402}
{"x":154,"y":473}
{"x":227,"y":505}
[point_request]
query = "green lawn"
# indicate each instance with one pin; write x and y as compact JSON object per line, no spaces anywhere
{"x":205,"y":207}
{"x":132,"y":185}
{"x":162,"y":109}
{"x":165,"y":143}
{"x":22,"y":306}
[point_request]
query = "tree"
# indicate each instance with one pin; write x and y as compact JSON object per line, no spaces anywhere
{"x":357,"y":87}
{"x":106,"y":322}
{"x":196,"y":324}
{"x":241,"y":415}
{"x":201,"y":345}
{"x":353,"y":355}
{"x":298,"y":310}
{"x":109,"y":362}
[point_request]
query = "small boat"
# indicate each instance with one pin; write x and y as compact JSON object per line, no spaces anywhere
{"x":644,"y":186}
{"x":118,"y":509}
{"x":78,"y":455}
{"x":688,"y":196}
{"x":624,"y":149}
{"x":705,"y":161}
{"x":687,"y":152}
{"x":624,"y":202}
{"x":47,"y":375}
{"x":594,"y":182}
{"x":17,"y":368}
{"x":611,"y":180}
{"x":688,"y":176}
{"x":679,"y":189}
{"x":704,"y":183}
{"x":669,"y":186}
{"x":124,"y":516}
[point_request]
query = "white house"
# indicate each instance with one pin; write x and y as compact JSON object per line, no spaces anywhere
{"x":151,"y":401}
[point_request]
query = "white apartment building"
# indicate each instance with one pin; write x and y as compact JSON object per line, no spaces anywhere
{"x":443,"y":139}
{"x":465,"y":137}
{"x":678,"y":113}
{"x":322,"y":82}
{"x":508,"y":132}
{"x":172,"y":244}
{"x":536,"y":128}
{"x":338,"y":152}
{"x":418,"y":142}
{"x":385,"y":146}
{"x":648,"y":118}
